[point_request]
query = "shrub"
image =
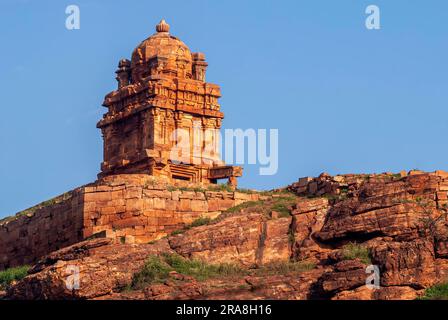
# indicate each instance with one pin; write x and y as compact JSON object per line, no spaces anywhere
{"x":283,"y":206}
{"x":437,"y":292}
{"x":199,"y":222}
{"x":154,"y":270}
{"x":353,"y":250}
{"x":157,"y":269}
{"x":176,"y":232}
{"x":13,"y":274}
{"x":199,"y":269}
{"x":196,"y":223}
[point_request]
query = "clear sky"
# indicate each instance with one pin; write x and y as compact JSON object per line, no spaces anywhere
{"x":344,"y":99}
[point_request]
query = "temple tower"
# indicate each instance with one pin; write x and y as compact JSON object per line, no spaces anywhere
{"x":164,"y":119}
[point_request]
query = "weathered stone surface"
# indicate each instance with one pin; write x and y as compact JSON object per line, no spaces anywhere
{"x":129,"y":205}
{"x":406,"y":263}
{"x":308,"y":218}
{"x":144,"y":126}
{"x":103,"y":269}
{"x":399,"y":219}
{"x":275,"y":287}
{"x":347,"y":275}
{"x":248,"y":239}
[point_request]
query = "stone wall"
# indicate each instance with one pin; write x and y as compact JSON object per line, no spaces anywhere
{"x":132,"y":208}
{"x":32,"y":233}
{"x":137,"y":208}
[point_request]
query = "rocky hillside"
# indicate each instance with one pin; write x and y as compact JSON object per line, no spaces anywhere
{"x":313,"y":240}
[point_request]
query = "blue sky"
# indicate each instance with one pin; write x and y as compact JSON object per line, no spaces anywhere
{"x":345,"y":99}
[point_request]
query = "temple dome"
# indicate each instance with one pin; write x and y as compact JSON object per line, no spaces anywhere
{"x":174,"y":55}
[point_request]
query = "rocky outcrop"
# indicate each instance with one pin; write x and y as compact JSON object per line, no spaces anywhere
{"x":346,"y":226}
{"x":101,"y":267}
{"x":247,"y":239}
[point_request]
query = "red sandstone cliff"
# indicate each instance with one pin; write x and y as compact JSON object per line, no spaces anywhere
{"x":319,"y":248}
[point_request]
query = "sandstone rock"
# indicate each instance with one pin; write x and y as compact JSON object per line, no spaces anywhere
{"x":406,"y":263}
{"x":103,"y":268}
{"x":308,"y":218}
{"x":400,"y":219}
{"x":346,"y":275}
{"x":247,"y":239}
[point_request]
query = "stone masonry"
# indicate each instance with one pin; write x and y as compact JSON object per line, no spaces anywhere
{"x":129,"y":208}
{"x":164,"y":118}
{"x":142,"y":193}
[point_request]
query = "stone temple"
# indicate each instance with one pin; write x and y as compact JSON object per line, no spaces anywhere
{"x":161,"y":160}
{"x":164,"y":118}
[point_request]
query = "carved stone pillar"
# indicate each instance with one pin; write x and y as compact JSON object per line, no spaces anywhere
{"x":199,"y":66}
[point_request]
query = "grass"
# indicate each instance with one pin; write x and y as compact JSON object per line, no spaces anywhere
{"x":199,"y":222}
{"x":158,"y":268}
{"x":343,"y":195}
{"x":244,"y":205}
{"x":396,"y":176}
{"x":196,"y":223}
{"x":212,"y":187}
{"x":12,"y":274}
{"x":227,"y":188}
{"x":437,"y":292}
{"x":356,"y":251}
{"x":176,"y":232}
{"x":194,"y":189}
{"x":283,"y":206}
{"x":282,"y":268}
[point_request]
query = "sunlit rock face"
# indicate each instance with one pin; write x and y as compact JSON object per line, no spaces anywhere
{"x":164,"y":118}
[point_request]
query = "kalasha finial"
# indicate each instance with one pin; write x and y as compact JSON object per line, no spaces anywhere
{"x":163,"y":26}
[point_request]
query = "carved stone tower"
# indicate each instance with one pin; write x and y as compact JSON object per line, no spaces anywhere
{"x":164,"y":119}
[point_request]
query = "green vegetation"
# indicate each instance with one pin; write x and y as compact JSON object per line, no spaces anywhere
{"x":157,"y":269}
{"x":199,"y":222}
{"x":212,"y":187}
{"x":284,"y":268}
{"x":220,"y":187}
{"x":280,"y":204}
{"x":175,"y":232}
{"x":244,"y":205}
{"x":226,"y":188}
{"x":343,"y":195}
{"x":12,"y":274}
{"x":396,"y":176}
{"x":283,"y":205}
{"x":194,"y":189}
{"x":196,"y":223}
{"x":437,"y":292}
{"x":353,"y":250}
